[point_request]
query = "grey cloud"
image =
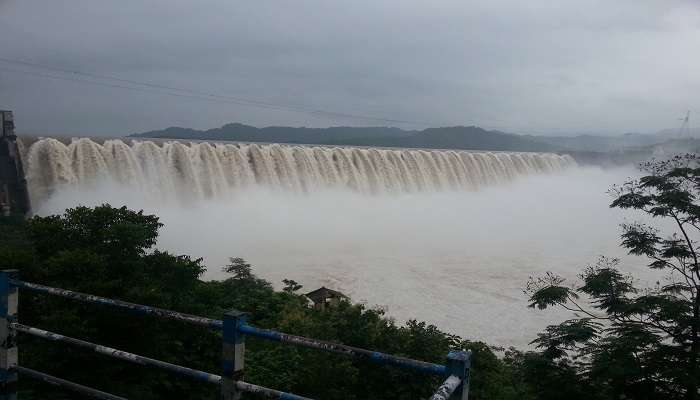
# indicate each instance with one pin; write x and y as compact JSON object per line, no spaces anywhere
{"x":551,"y":67}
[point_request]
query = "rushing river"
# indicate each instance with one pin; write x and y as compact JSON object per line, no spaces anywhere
{"x":453,"y":257}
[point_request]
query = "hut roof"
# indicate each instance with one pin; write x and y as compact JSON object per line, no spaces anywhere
{"x":324,"y":293}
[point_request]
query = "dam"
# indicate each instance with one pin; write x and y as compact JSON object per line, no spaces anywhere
{"x":196,"y":170}
{"x":443,"y":236}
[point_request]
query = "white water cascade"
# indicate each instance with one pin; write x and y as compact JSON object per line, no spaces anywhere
{"x":201,"y":170}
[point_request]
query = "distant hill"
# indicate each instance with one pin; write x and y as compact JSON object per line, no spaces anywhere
{"x":635,"y":155}
{"x":277,"y":134}
{"x":458,"y":137}
{"x":627,"y":141}
{"x":613,"y":150}
{"x":674,"y":132}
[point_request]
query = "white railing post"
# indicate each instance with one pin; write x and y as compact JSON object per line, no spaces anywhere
{"x":458,"y":364}
{"x":232,"y":362}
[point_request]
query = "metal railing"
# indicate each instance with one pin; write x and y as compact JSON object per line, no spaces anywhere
{"x":234,"y":327}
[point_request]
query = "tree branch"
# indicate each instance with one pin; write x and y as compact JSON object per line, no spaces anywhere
{"x":581,"y":309}
{"x":690,"y":244}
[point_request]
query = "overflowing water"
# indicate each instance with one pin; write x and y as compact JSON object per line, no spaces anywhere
{"x":449,"y":237}
{"x":204,"y":170}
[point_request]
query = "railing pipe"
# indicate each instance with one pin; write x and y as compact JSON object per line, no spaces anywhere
{"x":241,"y":327}
{"x":62,"y":383}
{"x":372,"y":356}
{"x":124,"y":305}
{"x":122,"y":355}
{"x":141,"y":360}
{"x":266,"y":392}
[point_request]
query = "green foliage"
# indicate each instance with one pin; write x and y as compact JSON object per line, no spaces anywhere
{"x":241,"y":270}
{"x":547,"y":291}
{"x":558,"y":339}
{"x":548,"y":378}
{"x":109,"y":252}
{"x":628,"y":342}
{"x":291,"y":286}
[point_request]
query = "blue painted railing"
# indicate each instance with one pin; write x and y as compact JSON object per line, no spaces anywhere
{"x":234,"y":327}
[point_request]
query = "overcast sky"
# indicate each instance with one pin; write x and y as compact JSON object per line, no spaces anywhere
{"x":522,"y":66}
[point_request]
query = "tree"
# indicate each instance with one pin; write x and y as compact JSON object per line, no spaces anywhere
{"x":109,"y":252}
{"x":640,"y":343}
{"x":291,"y":286}
{"x":240,"y":269}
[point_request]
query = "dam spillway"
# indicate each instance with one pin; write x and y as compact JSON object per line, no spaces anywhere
{"x":203,"y":169}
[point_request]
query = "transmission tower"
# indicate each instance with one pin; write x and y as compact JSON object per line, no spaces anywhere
{"x":684,"y":132}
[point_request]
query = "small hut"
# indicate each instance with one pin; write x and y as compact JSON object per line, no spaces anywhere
{"x":323,"y":296}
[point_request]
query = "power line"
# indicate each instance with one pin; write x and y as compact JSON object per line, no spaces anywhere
{"x":137,"y":89}
{"x":133,"y":82}
{"x":191,"y":93}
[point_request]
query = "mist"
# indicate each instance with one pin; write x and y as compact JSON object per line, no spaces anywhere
{"x":459,"y":260}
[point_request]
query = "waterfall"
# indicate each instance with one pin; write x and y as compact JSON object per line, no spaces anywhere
{"x":198,"y":170}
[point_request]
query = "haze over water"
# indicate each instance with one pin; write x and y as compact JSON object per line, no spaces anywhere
{"x":458,"y":259}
